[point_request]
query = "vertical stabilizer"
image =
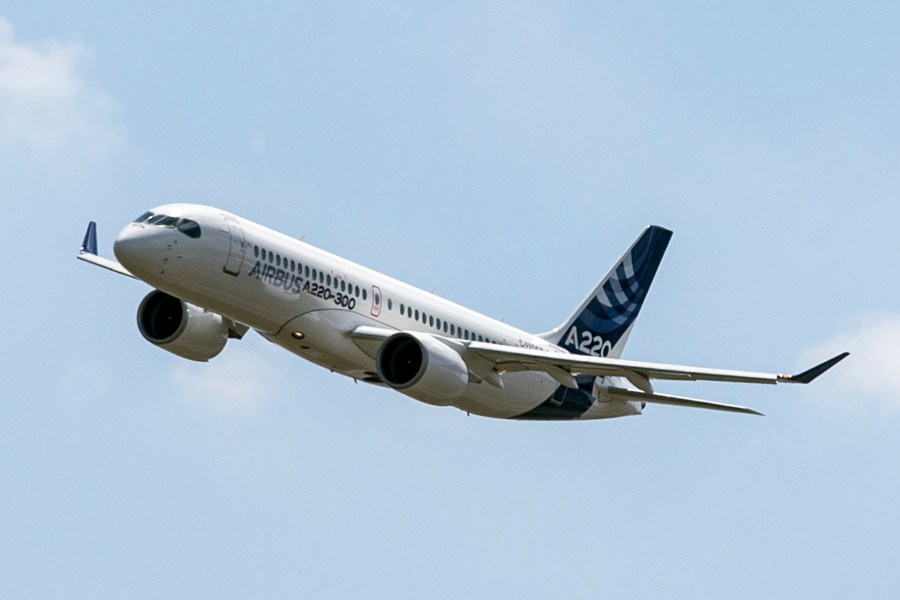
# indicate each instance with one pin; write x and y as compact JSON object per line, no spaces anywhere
{"x":602,"y":323}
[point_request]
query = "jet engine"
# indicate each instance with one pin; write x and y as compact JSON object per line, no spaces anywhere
{"x":422,"y":367}
{"x":181,"y":328}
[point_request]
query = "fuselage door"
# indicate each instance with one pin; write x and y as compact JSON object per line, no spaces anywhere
{"x":236,"y":249}
{"x":376,"y":301}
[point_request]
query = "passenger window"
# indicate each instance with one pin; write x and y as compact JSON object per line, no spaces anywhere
{"x":445,"y":326}
{"x":431,"y":321}
{"x":417,"y":314}
{"x":438,"y":323}
{"x":452,"y":329}
{"x":271,"y":256}
{"x":390,"y":304}
{"x":256,"y":251}
{"x":402,"y":310}
{"x":313,"y":274}
{"x":357,"y":291}
{"x":277,"y":260}
{"x":343,"y":285}
{"x":306,"y":270}
{"x":328,"y":280}
{"x":293,"y":265}
{"x":365,"y":295}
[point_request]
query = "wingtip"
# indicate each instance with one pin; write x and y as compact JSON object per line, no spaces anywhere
{"x":810,"y":374}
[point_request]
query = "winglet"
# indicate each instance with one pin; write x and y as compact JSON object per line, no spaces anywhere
{"x":89,"y":245}
{"x":810,"y":374}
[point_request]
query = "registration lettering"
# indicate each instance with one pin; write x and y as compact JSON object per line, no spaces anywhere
{"x":587,"y":342}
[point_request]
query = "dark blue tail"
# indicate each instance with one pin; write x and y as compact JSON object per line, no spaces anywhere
{"x":602,"y":323}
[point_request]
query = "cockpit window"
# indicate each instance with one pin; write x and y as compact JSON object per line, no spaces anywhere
{"x":167,"y":222}
{"x":186,"y":226}
{"x":189,"y":228}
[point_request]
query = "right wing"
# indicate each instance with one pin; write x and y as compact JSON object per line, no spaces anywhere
{"x":511,"y":358}
{"x":490,"y":361}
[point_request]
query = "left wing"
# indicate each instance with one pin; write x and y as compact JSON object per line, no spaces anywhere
{"x":88,"y":253}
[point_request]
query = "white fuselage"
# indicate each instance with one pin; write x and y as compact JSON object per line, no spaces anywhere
{"x":308,"y":301}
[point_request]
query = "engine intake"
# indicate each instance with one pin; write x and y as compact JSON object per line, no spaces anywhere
{"x":183,"y":329}
{"x":422,"y":367}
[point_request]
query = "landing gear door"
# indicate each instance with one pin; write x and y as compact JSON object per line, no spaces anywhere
{"x":236,"y":249}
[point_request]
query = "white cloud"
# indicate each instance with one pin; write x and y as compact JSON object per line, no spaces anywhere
{"x":870,"y":376}
{"x":44,"y":101}
{"x":233,"y":383}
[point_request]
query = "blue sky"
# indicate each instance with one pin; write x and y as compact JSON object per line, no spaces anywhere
{"x":504,"y":154}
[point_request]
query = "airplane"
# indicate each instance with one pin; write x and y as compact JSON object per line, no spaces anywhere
{"x":215,"y":276}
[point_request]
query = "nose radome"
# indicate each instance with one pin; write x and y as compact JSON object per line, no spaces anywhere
{"x":130,"y":247}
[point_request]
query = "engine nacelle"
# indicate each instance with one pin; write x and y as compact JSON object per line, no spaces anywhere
{"x":422,"y":367}
{"x":181,"y":328}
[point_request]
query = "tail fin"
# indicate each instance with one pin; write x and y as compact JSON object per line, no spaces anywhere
{"x":602,"y":323}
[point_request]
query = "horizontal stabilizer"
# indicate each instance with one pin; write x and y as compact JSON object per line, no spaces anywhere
{"x":625,"y":394}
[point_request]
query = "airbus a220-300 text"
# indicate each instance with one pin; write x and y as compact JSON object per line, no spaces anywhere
{"x":216,"y":276}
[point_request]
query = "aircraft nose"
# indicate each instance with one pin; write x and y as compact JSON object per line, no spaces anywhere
{"x":130,"y":247}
